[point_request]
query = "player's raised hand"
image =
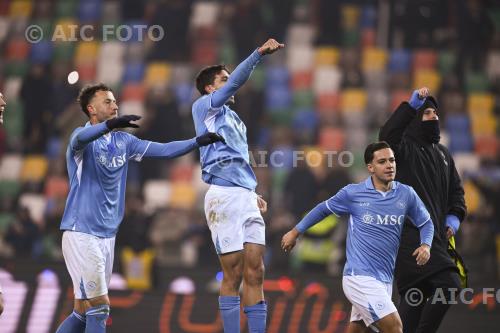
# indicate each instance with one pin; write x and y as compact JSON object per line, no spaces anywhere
{"x":423,"y":253}
{"x":209,"y":138}
{"x":418,"y":97}
{"x":289,"y":240}
{"x":122,"y":122}
{"x":270,"y":47}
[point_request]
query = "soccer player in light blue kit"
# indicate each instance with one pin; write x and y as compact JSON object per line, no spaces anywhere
{"x":232,"y":208}
{"x":3,"y":104}
{"x":376,"y":208}
{"x":97,"y":159}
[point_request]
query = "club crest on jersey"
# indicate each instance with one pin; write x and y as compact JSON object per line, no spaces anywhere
{"x":115,"y":161}
{"x":401,"y":204}
{"x":368,"y":218}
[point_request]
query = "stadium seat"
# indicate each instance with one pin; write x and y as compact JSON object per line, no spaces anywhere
{"x":472,"y":197}
{"x":355,"y":137}
{"x":303,"y":99}
{"x":476,"y":82}
{"x":12,"y":87}
{"x":424,"y":59}
{"x":204,"y":53}
{"x":6,"y":219}
{"x":300,"y":58}
{"x":156,"y":194}
{"x":351,"y":15}
{"x":397,"y":97}
{"x":86,"y":52}
{"x":110,"y":73}
{"x":66,"y":9}
{"x":487,"y":146}
{"x":157,"y":73}
{"x":327,"y":79}
{"x":182,"y":170}
{"x":34,"y":168}
{"x":20,"y":8}
{"x":368,"y":16}
{"x":133,"y":107}
{"x":134,"y":73}
{"x":4,"y":8}
{"x":331,"y":139}
{"x":133,"y":92}
{"x":10,"y":167}
{"x":36,"y":204}
{"x":63,"y":51}
{"x":427,"y":78}
{"x":305,"y":120}
{"x":353,"y":100}
{"x":184,"y":93}
{"x":300,"y":34}
{"x":466,"y":162}
{"x":4,"y":28}
{"x":111,"y":52}
{"x":301,"y":80}
{"x":400,"y":60}
{"x":89,"y":11}
{"x":368,"y":38}
{"x":326,"y":56}
{"x":327,"y":101}
{"x":183,"y":196}
{"x":374,"y":59}
{"x":111,"y":12}
{"x":350,"y":38}
{"x":277,"y":76}
{"x":457,"y":123}
{"x":87,"y":72}
{"x":461,"y":142}
{"x":56,"y":187}
{"x":483,"y":125}
{"x":277,"y":97}
{"x":17,"y":49}
{"x":14,"y":122}
{"x":480,"y":102}
{"x":41,"y":52}
{"x":204,"y":13}
{"x":446,"y":62}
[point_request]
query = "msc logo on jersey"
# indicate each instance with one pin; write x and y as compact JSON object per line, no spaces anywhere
{"x":383,"y":219}
{"x":114,"y":162}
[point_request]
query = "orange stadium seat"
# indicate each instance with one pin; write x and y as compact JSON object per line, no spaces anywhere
{"x":368,"y":38}
{"x":301,"y":80}
{"x":427,"y":78}
{"x":487,"y":146}
{"x":331,"y":138}
{"x":157,"y":73}
{"x":183,"y":196}
{"x":472,"y":197}
{"x":86,"y":52}
{"x":17,"y":49}
{"x":353,"y":100}
{"x":20,"y":8}
{"x":133,"y":92}
{"x":56,"y":187}
{"x":374,"y":59}
{"x":326,"y":56}
{"x":87,"y":71}
{"x":424,"y":59}
{"x":327,"y":101}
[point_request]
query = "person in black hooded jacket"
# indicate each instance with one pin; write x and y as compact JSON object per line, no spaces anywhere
{"x":413,"y":133}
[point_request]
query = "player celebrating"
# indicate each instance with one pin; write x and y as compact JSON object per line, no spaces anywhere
{"x":377,"y":208}
{"x":97,"y":159}
{"x":231,"y":205}
{"x":3,"y":104}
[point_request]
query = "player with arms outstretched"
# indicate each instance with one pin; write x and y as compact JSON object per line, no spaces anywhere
{"x":97,"y":159}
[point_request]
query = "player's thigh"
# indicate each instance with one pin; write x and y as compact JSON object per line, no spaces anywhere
{"x":358,"y":327}
{"x":232,"y":264}
{"x":390,"y":323}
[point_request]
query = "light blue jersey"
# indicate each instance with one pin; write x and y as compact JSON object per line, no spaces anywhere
{"x":375,"y":223}
{"x":229,"y":163}
{"x":97,"y":162}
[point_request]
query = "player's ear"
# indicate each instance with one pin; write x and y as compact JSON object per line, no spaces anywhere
{"x":90,"y":110}
{"x":370,"y":167}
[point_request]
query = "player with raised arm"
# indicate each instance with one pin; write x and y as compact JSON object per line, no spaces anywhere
{"x":97,"y":160}
{"x":231,"y":204}
{"x":376,"y":208}
{"x":413,"y":133}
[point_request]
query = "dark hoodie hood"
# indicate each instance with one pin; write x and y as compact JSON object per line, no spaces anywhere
{"x":427,"y":132}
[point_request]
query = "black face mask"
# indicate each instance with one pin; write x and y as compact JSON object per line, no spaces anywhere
{"x":430,"y":131}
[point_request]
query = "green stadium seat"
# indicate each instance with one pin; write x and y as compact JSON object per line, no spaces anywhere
{"x":476,"y":82}
{"x":446,"y":62}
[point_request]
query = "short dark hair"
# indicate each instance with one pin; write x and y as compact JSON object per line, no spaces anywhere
{"x":87,"y":93}
{"x":372,"y":148}
{"x":207,"y":76}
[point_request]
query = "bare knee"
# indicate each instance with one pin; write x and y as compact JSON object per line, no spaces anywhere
{"x":232,"y":278}
{"x":99,"y":300}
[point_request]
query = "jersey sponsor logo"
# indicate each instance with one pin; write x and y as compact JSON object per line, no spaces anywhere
{"x":115,"y":161}
{"x":383,"y":219}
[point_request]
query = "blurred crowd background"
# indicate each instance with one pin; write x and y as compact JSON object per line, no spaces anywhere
{"x":346,"y":66}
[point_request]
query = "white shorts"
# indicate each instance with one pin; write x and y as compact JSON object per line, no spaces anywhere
{"x":233,"y":218}
{"x":370,"y":298}
{"x":89,"y":260}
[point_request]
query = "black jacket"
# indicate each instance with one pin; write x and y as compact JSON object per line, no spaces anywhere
{"x":430,"y":170}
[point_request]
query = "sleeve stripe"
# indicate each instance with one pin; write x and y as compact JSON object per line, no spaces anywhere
{"x":421,"y":224}
{"x":145,"y":150}
{"x":327,"y":206}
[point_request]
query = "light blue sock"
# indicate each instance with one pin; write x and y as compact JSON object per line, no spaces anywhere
{"x":256,"y":315}
{"x":96,"y":319}
{"x":74,"y":323}
{"x":230,"y":310}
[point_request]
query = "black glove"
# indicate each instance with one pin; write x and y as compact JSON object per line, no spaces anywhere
{"x":209,"y":138}
{"x":122,"y":122}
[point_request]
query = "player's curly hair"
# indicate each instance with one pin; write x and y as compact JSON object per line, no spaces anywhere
{"x":372,"y":148}
{"x":87,"y":93}
{"x":207,"y":76}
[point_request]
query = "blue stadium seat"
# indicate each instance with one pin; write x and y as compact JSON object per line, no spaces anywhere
{"x":277,"y":76}
{"x":400,"y":61}
{"x":368,"y":17}
{"x":457,"y":123}
{"x":183,"y":93}
{"x":304,"y":120}
{"x":89,"y":11}
{"x":278,"y":97}
{"x":134,"y":72}
{"x":41,"y":52}
{"x":461,"y":142}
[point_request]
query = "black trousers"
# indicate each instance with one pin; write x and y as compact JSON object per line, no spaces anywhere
{"x":426,"y":316}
